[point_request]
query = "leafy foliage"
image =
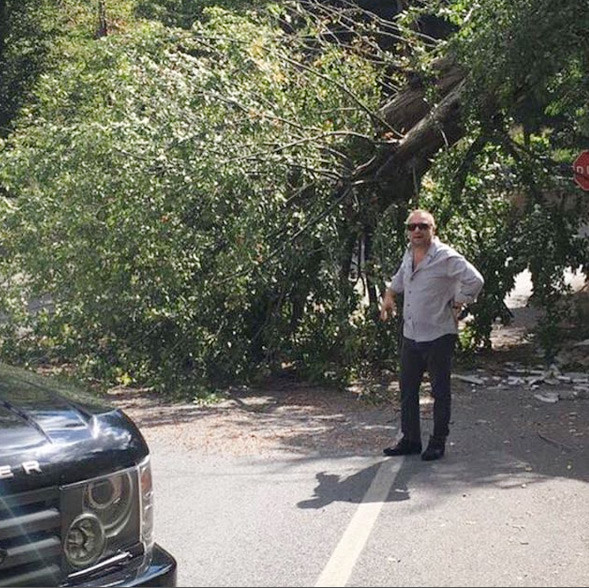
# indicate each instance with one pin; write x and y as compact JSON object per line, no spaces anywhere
{"x":167,"y":195}
{"x":27,"y":29}
{"x":184,"y":13}
{"x":184,"y":193}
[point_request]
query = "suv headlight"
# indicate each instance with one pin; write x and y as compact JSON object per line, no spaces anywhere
{"x":110,"y":499}
{"x":106,"y":515}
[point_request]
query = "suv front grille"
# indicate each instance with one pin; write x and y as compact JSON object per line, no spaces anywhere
{"x":30,"y":543}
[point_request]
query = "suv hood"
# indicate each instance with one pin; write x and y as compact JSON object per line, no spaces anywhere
{"x":64,"y":430}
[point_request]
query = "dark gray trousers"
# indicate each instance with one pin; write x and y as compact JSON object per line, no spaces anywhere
{"x":417,"y":357}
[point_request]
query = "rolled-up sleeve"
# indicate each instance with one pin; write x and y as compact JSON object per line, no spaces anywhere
{"x":470,"y":280}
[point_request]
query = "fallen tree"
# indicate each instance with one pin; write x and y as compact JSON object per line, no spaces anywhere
{"x":205,"y":203}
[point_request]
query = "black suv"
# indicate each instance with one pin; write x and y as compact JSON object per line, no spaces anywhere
{"x":76,"y":498}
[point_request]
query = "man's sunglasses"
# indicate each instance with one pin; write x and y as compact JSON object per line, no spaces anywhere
{"x":420,"y":226}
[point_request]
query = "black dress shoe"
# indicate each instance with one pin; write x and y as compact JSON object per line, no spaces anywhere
{"x":403,"y":447}
{"x":435,"y":449}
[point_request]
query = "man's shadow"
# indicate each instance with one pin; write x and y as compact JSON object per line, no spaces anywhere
{"x":333,"y":488}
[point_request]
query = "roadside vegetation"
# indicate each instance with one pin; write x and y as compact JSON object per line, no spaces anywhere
{"x":195,"y":193}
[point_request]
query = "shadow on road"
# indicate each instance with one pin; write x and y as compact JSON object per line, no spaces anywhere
{"x":517,"y":442}
{"x":333,"y":488}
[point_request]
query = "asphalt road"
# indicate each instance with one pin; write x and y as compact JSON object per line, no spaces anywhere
{"x":507,"y":506}
{"x":284,"y":491}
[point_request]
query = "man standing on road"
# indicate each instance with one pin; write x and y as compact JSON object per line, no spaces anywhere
{"x":436,"y":282}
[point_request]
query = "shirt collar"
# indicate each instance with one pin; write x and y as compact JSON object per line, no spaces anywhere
{"x":434,"y":246}
{"x":432,"y":249}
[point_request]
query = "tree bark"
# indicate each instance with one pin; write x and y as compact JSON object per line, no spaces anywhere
{"x":410,"y":106}
{"x":102,"y":29}
{"x":401,"y":163}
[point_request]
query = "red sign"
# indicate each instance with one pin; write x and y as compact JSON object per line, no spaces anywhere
{"x":581,"y":170}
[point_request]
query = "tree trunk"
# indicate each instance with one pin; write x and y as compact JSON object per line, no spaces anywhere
{"x":102,"y":29}
{"x":3,"y":25}
{"x":424,"y":129}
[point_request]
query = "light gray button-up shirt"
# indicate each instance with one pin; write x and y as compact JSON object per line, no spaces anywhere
{"x":441,"y":278}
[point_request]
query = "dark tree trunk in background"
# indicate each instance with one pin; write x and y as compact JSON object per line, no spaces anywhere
{"x":3,"y":19}
{"x":102,"y":29}
{"x":3,"y":34}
